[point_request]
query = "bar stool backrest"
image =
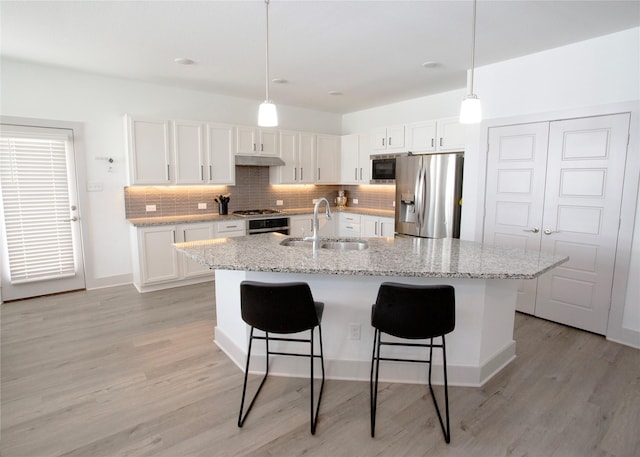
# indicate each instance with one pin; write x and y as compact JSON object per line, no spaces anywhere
{"x":414,"y":311}
{"x":278,"y":308}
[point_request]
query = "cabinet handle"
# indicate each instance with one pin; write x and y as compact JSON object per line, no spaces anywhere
{"x":301,"y":174}
{"x":355,"y":170}
{"x":360,"y":174}
{"x":184,"y":235}
{"x":210,"y":173}
{"x":318,"y":173}
{"x":389,"y":142}
{"x":254,"y":147}
{"x":383,"y":140}
{"x":173,"y":234}
{"x":440,"y":141}
{"x":433,"y":141}
{"x":375,"y":229}
{"x":201,"y":172}
{"x":261,"y":147}
{"x":295,"y":174}
{"x":168,"y":173}
{"x":381,"y":229}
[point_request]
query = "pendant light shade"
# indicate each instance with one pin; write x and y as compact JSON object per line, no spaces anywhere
{"x":470,"y":111}
{"x":267,"y":114}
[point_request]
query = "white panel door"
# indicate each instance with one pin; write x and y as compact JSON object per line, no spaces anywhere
{"x":188,"y":152}
{"x":585,"y":175}
{"x":516,"y":166}
{"x":220,"y":160}
{"x":288,"y":153}
{"x":195,"y":232}
{"x":307,"y":158}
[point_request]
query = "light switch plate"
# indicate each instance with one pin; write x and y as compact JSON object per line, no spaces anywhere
{"x":150,"y":208}
{"x":355,"y":201}
{"x":202,"y":206}
{"x":279,"y":203}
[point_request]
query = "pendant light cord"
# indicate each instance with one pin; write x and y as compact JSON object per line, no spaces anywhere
{"x":473,"y":46}
{"x":266,"y":2}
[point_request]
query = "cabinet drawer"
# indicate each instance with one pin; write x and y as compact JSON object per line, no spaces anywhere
{"x":352,"y":218}
{"x":232,"y":227}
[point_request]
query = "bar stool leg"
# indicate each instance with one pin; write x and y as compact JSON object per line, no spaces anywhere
{"x":445,"y":430}
{"x":241,"y":419}
{"x":373,"y":383}
{"x":314,"y":417}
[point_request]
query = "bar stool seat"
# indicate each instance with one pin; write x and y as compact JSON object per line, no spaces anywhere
{"x":412,"y":312}
{"x":281,"y":308}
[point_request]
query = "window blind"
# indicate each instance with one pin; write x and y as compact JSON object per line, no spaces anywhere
{"x":35,"y":200}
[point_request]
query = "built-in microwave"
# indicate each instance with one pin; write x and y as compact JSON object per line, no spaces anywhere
{"x":383,"y":169}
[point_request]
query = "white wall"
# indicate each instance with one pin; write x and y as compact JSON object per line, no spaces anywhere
{"x":99,"y":103}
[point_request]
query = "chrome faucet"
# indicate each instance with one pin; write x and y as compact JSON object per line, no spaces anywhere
{"x":316,"y":224}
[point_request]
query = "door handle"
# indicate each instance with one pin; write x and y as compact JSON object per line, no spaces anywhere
{"x":549,"y":231}
{"x":534,"y":230}
{"x":73,"y":219}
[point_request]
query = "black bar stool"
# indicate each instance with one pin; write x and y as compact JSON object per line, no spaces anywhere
{"x":281,"y":308}
{"x":412,"y":312}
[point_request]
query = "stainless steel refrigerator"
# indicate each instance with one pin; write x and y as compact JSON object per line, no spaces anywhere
{"x":429,"y":195}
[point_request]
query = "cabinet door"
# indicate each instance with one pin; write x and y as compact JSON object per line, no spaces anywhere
{"x":289,"y":173}
{"x":421,"y":136}
{"x":301,"y":226}
{"x":158,"y":258}
{"x":307,"y":158}
{"x":395,"y":138}
{"x":149,"y":151}
{"x":328,"y":157}
{"x":188,"y":152}
{"x":349,"y":158}
{"x":221,"y":166}
{"x":195,"y":232}
{"x":386,"y":227}
{"x":364,"y":159}
{"x":369,"y":226}
{"x":268,"y":143}
{"x":379,"y":139}
{"x":451,"y":135}
{"x":246,"y":141}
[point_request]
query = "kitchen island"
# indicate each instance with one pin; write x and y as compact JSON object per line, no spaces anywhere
{"x":485,"y":279}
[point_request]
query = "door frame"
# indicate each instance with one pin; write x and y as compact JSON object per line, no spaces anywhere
{"x":81,"y":179}
{"x":615,"y":330}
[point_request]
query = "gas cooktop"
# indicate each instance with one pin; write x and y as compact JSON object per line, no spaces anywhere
{"x":256,"y":212}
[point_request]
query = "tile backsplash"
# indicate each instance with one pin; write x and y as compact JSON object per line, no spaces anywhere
{"x":252,"y":190}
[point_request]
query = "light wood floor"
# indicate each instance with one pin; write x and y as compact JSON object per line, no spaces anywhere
{"x":112,"y":373}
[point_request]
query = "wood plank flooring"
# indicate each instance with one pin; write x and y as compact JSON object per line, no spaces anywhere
{"x":112,"y":372}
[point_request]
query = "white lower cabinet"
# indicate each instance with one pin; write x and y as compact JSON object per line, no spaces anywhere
{"x":302,"y":225}
{"x":156,"y":263}
{"x":349,"y":225}
{"x":373,"y":226}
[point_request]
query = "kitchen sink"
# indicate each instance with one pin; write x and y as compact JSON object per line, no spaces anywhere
{"x":335,"y":244}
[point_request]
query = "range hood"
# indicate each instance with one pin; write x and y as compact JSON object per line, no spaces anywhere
{"x":258,"y":161}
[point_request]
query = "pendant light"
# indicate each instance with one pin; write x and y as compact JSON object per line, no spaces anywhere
{"x":470,"y":111}
{"x":267,"y":115}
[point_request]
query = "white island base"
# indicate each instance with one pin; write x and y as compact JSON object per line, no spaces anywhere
{"x":480,"y":346}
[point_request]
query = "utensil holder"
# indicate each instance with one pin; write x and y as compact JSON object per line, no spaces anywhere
{"x":223,"y":208}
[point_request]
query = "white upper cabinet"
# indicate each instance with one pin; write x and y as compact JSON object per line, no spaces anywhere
{"x":451,"y":135}
{"x":188,"y":152}
{"x":354,"y":159}
{"x":221,"y":166}
{"x":149,"y":151}
{"x":442,"y":135}
{"x":298,"y":152}
{"x":389,"y":139}
{"x":253,"y":140}
{"x":328,"y":159}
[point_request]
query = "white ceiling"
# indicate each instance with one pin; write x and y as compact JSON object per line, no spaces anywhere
{"x":371,"y":51}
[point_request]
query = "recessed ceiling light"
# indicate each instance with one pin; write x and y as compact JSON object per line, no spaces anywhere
{"x":334,"y":92}
{"x":431,"y":64}
{"x":183,"y":61}
{"x":279,"y":81}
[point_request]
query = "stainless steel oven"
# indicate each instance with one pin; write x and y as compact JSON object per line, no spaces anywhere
{"x":257,"y":224}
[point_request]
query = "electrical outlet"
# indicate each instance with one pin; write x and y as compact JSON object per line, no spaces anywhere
{"x":202,"y":206}
{"x":279,"y":203}
{"x":314,"y":200}
{"x":393,"y":203}
{"x":355,"y":201}
{"x":150,"y":208}
{"x":354,"y":331}
{"x":95,"y":186}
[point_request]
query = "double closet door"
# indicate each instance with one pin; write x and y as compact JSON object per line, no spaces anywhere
{"x":557,"y":187}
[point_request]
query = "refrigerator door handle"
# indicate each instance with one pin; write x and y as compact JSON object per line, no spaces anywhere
{"x":419,"y":200}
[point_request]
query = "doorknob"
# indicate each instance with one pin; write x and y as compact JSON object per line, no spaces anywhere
{"x":534,"y":230}
{"x":548,"y":231}
{"x":73,"y":219}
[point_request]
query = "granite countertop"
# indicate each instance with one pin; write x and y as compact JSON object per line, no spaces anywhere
{"x":417,"y":257}
{"x":183,"y":219}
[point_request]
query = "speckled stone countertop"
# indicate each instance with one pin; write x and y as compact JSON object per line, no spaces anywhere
{"x":169,"y":220}
{"x":418,"y":257}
